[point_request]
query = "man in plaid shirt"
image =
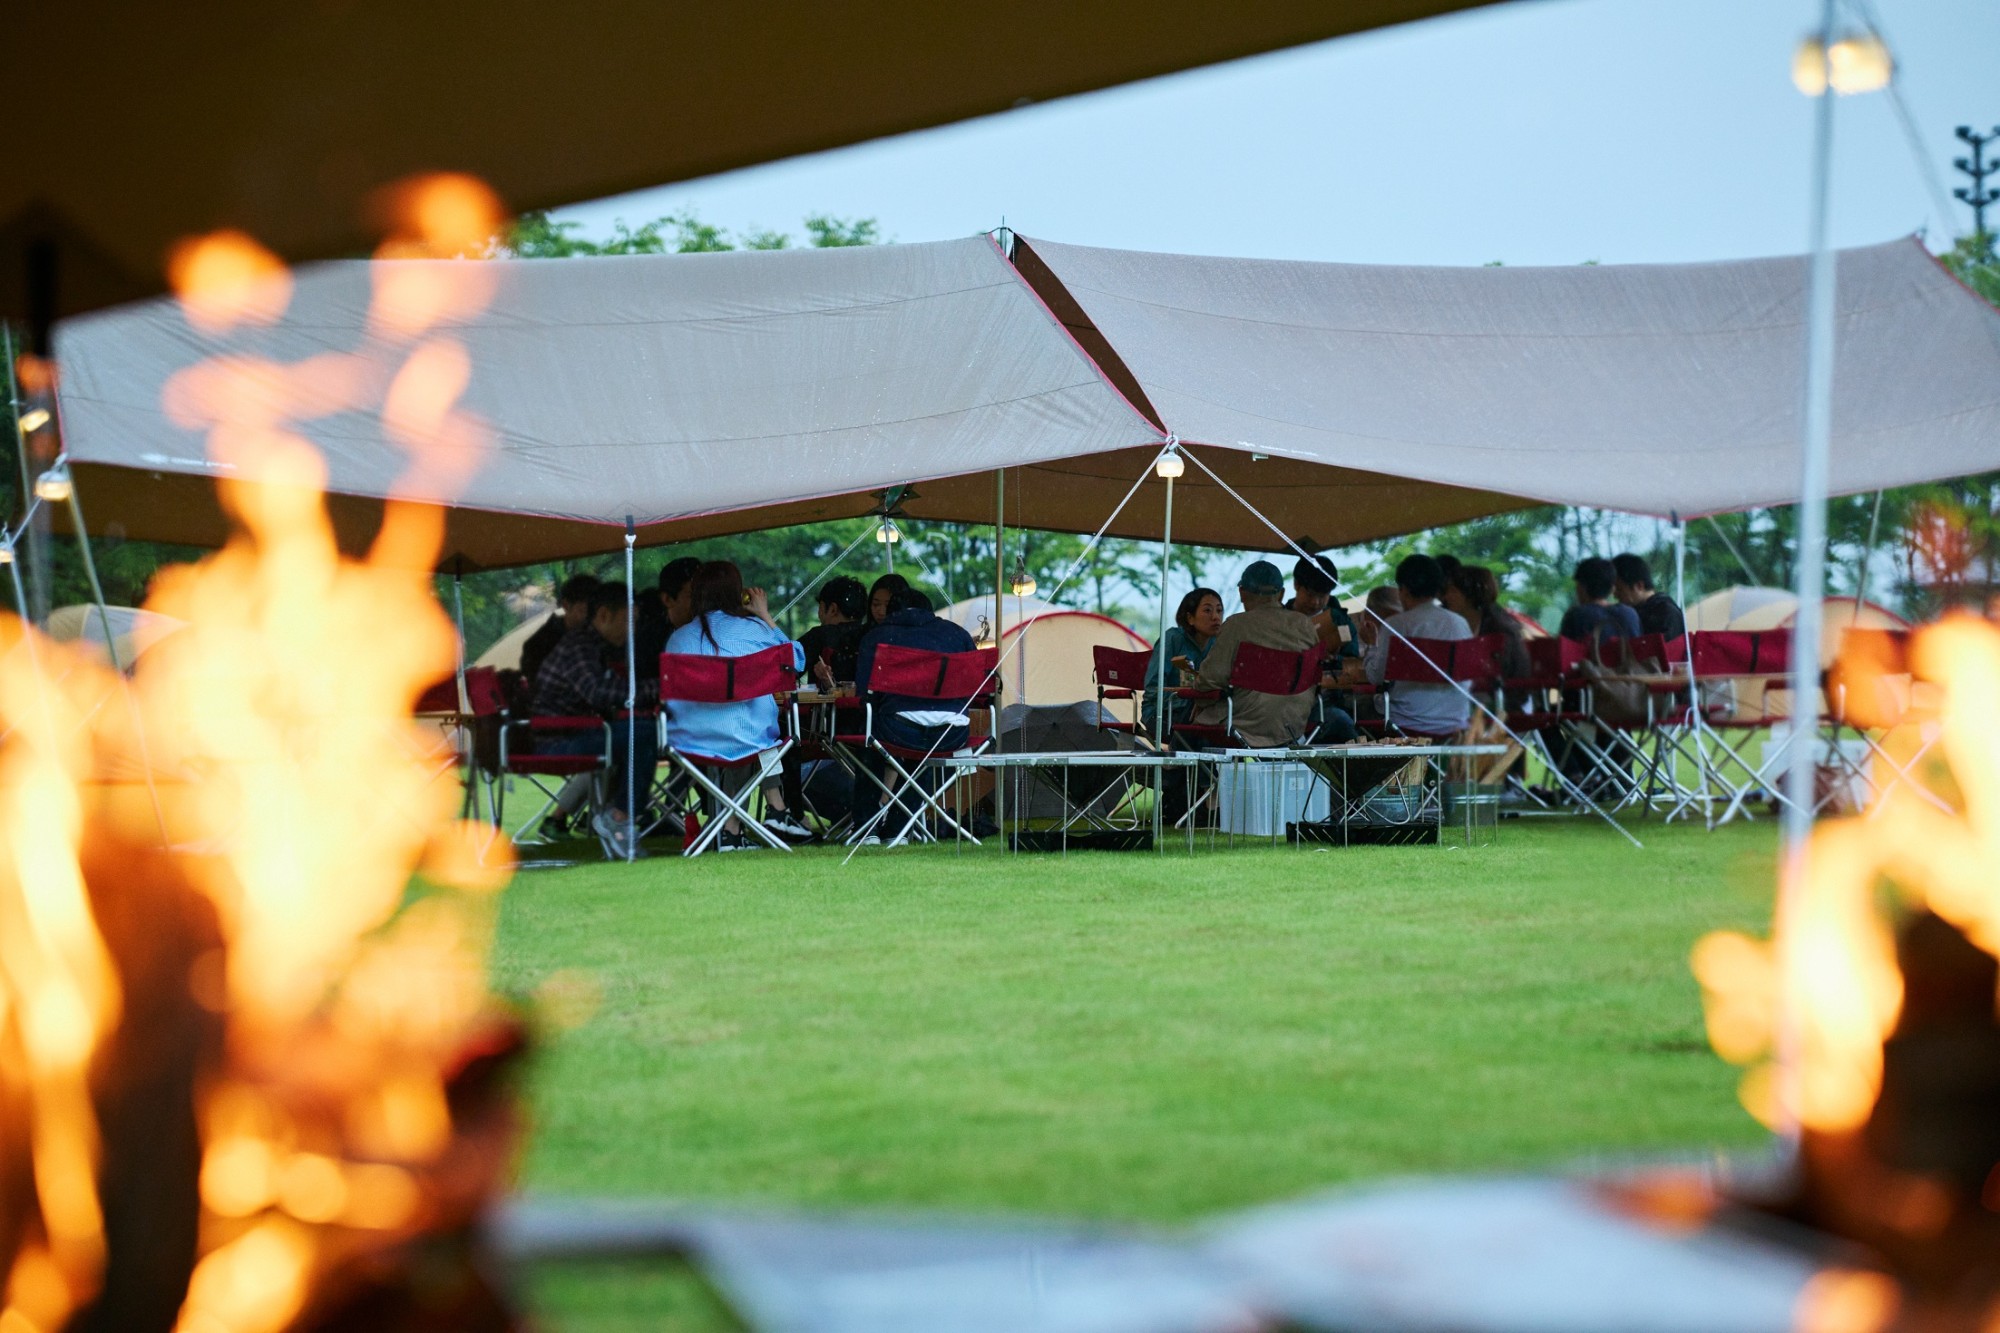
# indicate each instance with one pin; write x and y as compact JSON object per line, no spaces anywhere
{"x":585,"y":677}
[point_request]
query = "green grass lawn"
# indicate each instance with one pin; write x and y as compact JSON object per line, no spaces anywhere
{"x":1123,"y":1036}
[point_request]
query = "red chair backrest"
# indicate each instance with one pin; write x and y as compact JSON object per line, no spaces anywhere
{"x":1556,"y":658}
{"x":1275,"y":671}
{"x":696,"y":679}
{"x":439,"y":696}
{"x":483,"y":694}
{"x":1120,"y":668}
{"x":1881,"y":651}
{"x":1735,"y":652}
{"x":1437,"y":661}
{"x":917,"y":673}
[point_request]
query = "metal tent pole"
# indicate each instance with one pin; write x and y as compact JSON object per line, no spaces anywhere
{"x":999,"y":643}
{"x":1168,"y":471}
{"x":631,"y":703}
{"x":1809,"y":585}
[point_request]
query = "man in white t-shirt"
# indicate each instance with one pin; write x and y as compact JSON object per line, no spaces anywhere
{"x":1427,"y":710}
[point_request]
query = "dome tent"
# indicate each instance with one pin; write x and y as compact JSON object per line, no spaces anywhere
{"x":1047,"y":652}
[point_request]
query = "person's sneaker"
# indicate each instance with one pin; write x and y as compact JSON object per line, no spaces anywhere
{"x":616,"y":835}
{"x":788,"y":826}
{"x":553,"y":829}
{"x":865,"y":840}
{"x":734,"y":842}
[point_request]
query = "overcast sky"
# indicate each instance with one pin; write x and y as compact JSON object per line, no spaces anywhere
{"x":1536,"y":132}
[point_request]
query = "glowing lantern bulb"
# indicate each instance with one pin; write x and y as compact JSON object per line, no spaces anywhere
{"x":885,"y":532}
{"x":54,"y":485}
{"x":1169,"y":466}
{"x":1860,"y":64}
{"x":1023,"y":584}
{"x":34,"y":419}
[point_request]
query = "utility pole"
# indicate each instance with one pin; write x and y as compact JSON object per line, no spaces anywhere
{"x":1977,"y":195}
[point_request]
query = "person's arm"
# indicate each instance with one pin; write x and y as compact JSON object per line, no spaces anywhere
{"x":1376,"y":664}
{"x":1221,"y":659}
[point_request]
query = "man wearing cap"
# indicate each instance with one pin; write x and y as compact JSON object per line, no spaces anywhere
{"x":1260,"y":719}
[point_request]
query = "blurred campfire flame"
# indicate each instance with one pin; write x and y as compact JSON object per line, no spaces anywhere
{"x":1887,"y":972}
{"x":207,"y":906}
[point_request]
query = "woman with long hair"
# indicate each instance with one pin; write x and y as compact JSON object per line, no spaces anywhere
{"x":731,"y":621}
{"x":1196,"y":622}
{"x":882,"y":592}
{"x":1474,"y":593}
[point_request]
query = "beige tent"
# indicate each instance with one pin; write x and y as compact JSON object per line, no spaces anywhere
{"x":1753,"y":608}
{"x":1048,"y":648}
{"x":132,"y":631}
{"x":505,"y":654}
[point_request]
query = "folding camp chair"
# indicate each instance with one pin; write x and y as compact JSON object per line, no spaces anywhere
{"x":958,"y":682}
{"x":512,"y":748}
{"x":693,"y":679}
{"x":1121,"y":675}
{"x":1459,"y":662}
{"x":1722,"y":663}
{"x":1871,"y":692}
{"x":1539,"y":703}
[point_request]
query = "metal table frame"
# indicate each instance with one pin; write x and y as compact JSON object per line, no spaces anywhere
{"x":1133,"y":760}
{"x":1344,"y":804}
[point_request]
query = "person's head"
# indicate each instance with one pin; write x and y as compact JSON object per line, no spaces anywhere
{"x":1384,"y":602}
{"x":1419,"y":579}
{"x":909,"y":599}
{"x":881,"y":593}
{"x":607,"y":613}
{"x":1313,"y":583}
{"x":1473,"y":593}
{"x":1260,"y":585}
{"x":1200,"y":613}
{"x":1594,"y":579}
{"x":842,"y":601}
{"x":1632,"y":578}
{"x":717,"y":586}
{"x":677,"y":589}
{"x":1449,"y":564}
{"x":573,"y":600}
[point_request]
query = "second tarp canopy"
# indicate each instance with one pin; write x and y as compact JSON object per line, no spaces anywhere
{"x":706,"y":394}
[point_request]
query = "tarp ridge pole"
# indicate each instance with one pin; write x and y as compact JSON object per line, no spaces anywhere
{"x":1160,"y":640}
{"x":1815,"y":444}
{"x":1472,"y":698}
{"x":999,"y":642}
{"x":631,"y":702}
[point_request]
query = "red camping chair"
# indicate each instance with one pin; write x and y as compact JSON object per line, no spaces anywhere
{"x":1269,"y":671}
{"x":1121,"y":675}
{"x":486,"y":703}
{"x":959,"y":682}
{"x":1721,"y":662}
{"x":695,"y":679}
{"x":1463,"y":663}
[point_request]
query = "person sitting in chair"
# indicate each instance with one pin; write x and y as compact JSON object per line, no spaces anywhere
{"x":572,"y":613}
{"x":1195,"y":625}
{"x":931,"y":726}
{"x":730,"y":621}
{"x":585,"y":677}
{"x":1633,"y":586}
{"x":1260,"y":719}
{"x":1419,"y":707}
{"x":833,"y":647}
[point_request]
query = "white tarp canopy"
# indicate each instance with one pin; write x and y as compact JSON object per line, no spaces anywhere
{"x":704,"y":394}
{"x":1656,"y":389}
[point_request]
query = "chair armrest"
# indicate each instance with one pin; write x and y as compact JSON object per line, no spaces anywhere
{"x":560,"y":723}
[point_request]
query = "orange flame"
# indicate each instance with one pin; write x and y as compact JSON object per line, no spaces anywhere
{"x":1833,"y":966}
{"x":274,"y":730}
